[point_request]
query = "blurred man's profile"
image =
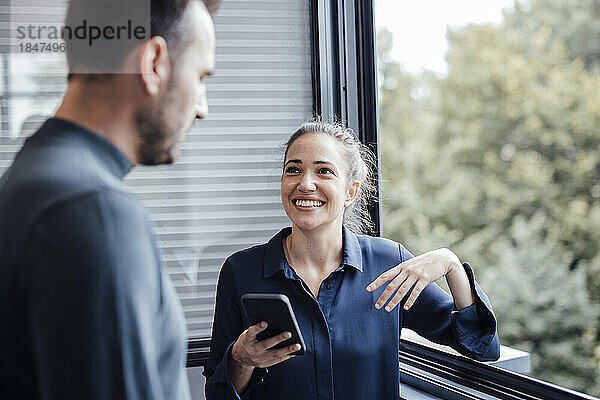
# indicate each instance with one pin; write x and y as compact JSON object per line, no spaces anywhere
{"x":87,"y":311}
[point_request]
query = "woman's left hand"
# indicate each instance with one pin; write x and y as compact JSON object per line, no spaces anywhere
{"x":419,"y":272}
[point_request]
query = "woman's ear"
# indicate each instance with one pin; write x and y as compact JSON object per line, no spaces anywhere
{"x":155,"y":65}
{"x":351,"y":193}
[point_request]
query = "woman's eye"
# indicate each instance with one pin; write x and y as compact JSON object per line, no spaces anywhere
{"x":291,"y":170}
{"x":325,"y":171}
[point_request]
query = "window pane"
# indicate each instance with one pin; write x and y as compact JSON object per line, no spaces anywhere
{"x":490,"y":146}
{"x":223,"y":193}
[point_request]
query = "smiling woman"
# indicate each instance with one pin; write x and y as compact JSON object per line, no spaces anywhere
{"x":313,"y":187}
{"x":331,"y":275}
{"x":354,"y":162}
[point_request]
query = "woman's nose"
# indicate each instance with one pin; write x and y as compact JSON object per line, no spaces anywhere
{"x":307,"y":183}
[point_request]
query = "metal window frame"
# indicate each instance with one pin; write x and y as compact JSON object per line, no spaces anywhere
{"x":348,"y":75}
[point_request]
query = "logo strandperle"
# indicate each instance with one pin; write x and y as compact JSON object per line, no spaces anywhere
{"x":93,"y":33}
{"x":83,"y":31}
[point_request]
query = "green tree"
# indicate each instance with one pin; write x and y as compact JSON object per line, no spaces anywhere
{"x":500,"y":161}
{"x":574,"y":22}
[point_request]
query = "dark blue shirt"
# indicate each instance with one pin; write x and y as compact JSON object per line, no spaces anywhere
{"x":352,"y":348}
{"x":86,"y":311}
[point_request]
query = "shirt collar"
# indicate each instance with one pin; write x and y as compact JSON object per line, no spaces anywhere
{"x":107,"y":153}
{"x":352,"y":250}
{"x":275,"y":257}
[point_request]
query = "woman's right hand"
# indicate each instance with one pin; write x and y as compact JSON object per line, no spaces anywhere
{"x":248,"y":352}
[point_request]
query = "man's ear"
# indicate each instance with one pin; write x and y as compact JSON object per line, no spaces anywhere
{"x":155,"y":65}
{"x":351,"y":193}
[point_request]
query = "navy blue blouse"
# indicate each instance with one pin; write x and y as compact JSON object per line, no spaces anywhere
{"x":351,"y":347}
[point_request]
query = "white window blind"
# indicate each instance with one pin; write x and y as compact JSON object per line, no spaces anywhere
{"x":222,"y":194}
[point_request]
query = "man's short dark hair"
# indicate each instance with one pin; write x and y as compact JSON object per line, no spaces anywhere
{"x":166,"y":20}
{"x":167,"y":16}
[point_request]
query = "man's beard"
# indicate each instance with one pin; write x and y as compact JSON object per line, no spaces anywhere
{"x":158,"y":131}
{"x":156,"y":136}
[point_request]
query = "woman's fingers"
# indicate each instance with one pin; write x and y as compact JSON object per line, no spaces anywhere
{"x":262,"y":354}
{"x":276,"y":356}
{"x":400,"y":293}
{"x":391,"y":289}
{"x":383,"y":278}
{"x":280,"y":355}
{"x":274,"y":340}
{"x":285,"y":351}
{"x":419,"y":272}
{"x":255,"y":330}
{"x":415,"y":294}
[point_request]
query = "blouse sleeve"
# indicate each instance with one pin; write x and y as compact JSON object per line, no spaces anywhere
{"x":470,"y":331}
{"x":227,"y":326}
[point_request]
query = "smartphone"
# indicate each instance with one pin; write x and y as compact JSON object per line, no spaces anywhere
{"x":277,"y":311}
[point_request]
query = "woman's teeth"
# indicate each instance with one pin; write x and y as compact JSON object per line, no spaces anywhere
{"x":309,"y":203}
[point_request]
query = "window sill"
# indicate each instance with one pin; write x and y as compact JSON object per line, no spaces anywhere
{"x":444,"y":375}
{"x":510,"y":359}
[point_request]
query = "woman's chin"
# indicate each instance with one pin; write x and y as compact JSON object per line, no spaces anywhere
{"x":305,"y":225}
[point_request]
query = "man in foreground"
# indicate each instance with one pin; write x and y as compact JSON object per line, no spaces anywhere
{"x":86,"y":310}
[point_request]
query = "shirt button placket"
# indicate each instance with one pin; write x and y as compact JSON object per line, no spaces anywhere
{"x":324,"y":343}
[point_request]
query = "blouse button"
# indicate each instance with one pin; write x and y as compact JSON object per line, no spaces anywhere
{"x":329,"y":286}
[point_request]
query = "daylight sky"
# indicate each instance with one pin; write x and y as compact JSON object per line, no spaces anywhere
{"x":419,"y":26}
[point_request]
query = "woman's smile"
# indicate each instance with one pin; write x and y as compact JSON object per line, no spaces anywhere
{"x":308,"y":204}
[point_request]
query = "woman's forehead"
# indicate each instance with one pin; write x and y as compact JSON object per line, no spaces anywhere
{"x":316,"y":147}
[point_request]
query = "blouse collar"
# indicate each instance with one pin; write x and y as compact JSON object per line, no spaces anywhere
{"x":275,"y":256}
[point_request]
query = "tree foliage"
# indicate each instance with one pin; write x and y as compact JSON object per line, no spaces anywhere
{"x":500,"y":160}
